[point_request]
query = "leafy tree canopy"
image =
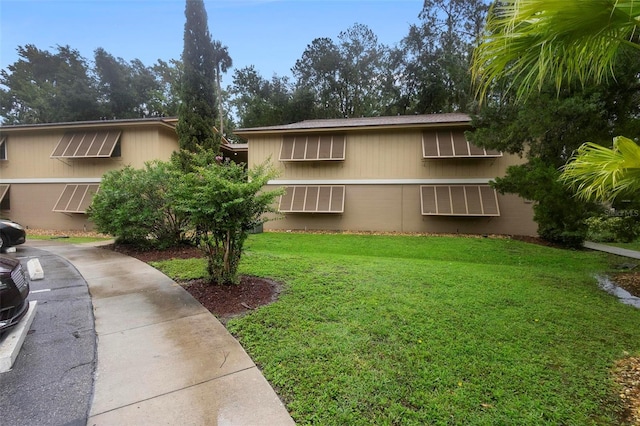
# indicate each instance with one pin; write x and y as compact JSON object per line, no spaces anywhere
{"x":531,"y":45}
{"x":61,"y":86}
{"x":346,"y":78}
{"x":45,"y":87}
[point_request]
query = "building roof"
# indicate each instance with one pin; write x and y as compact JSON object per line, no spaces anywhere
{"x":162,"y":121}
{"x":389,"y":122}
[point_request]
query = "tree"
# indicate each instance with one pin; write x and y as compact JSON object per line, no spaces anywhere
{"x":126,"y":89}
{"x":546,"y":129}
{"x":348,"y":78}
{"x":531,"y":42}
{"x":534,"y":41}
{"x":432,"y":62}
{"x":223,"y":62}
{"x":166,"y":99}
{"x":224,"y":202}
{"x":45,"y":87}
{"x":602,"y":174}
{"x":262,"y":102}
{"x":197,"y":112}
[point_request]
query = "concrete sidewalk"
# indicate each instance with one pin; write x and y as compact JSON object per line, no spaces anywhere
{"x":612,"y":249}
{"x":162,"y":358}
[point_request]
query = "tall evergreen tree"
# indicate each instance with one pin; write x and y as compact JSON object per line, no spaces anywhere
{"x":197,"y":112}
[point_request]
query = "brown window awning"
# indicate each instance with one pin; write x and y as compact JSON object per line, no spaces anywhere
{"x":3,"y":148}
{"x":452,"y":144}
{"x":100,"y":144}
{"x":313,"y":148}
{"x":76,"y":198}
{"x":313,"y":199}
{"x":459,"y":200}
{"x":4,"y":192}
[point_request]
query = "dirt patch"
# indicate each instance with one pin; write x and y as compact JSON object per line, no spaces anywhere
{"x":630,"y":281}
{"x":627,"y":375}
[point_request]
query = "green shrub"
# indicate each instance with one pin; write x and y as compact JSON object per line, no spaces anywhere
{"x":612,"y":228}
{"x":135,"y":206}
{"x":223,"y":203}
{"x":560,"y":216}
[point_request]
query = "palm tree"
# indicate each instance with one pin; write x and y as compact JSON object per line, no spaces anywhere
{"x":222,"y":62}
{"x":530,"y":42}
{"x":599,"y":173}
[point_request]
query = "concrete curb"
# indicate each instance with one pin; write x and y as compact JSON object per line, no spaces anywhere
{"x":12,"y":342}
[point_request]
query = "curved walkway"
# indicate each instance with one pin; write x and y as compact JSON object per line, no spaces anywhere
{"x":612,"y":249}
{"x":162,"y":358}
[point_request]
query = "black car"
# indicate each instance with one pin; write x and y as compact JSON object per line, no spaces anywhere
{"x":14,"y":289}
{"x":11,"y":234}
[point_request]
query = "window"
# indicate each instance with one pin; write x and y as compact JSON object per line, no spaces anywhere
{"x":312,"y":148}
{"x":4,"y":197}
{"x":459,"y":200}
{"x":76,"y":198}
{"x":452,"y":144}
{"x":3,"y":148}
{"x":101,"y":144}
{"x":313,"y":199}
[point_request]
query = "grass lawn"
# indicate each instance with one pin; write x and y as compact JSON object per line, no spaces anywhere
{"x":436,"y":330}
{"x":67,"y":239}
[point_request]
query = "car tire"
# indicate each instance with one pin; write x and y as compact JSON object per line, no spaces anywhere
{"x":3,"y":243}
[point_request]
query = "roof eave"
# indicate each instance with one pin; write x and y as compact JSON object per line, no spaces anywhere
{"x":280,"y":130}
{"x":136,"y":122}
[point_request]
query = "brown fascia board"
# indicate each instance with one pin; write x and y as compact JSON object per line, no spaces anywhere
{"x":366,"y":123}
{"x":235,"y":147}
{"x":95,"y":124}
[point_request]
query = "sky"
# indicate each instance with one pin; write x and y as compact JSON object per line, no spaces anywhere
{"x":268,"y":34}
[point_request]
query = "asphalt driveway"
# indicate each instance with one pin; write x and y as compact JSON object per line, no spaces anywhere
{"x":51,"y":382}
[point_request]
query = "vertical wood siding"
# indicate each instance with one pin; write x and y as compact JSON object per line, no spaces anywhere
{"x":385,"y":155}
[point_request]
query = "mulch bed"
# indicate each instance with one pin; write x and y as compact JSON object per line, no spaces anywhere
{"x":228,"y":301}
{"x":630,"y":281}
{"x":224,"y":301}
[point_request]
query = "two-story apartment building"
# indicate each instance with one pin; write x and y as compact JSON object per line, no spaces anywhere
{"x":49,"y":172}
{"x":396,"y":174}
{"x":389,"y":174}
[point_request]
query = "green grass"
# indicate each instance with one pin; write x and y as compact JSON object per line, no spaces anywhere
{"x":182,"y":269}
{"x":69,"y":240}
{"x":436,"y":330}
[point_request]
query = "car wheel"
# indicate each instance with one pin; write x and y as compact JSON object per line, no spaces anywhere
{"x":3,"y":243}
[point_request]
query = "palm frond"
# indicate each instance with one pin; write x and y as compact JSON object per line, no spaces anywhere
{"x":598,"y":173}
{"x":529,"y":42}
